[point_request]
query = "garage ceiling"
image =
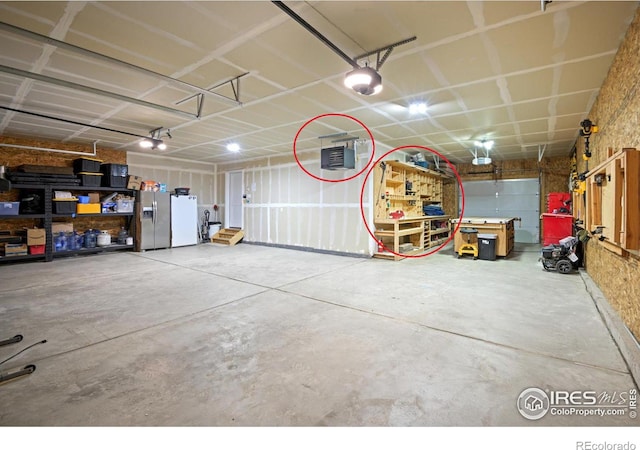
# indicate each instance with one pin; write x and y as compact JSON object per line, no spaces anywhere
{"x":504,"y":70}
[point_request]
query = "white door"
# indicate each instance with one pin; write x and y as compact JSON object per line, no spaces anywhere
{"x":233,"y":211}
{"x":507,"y":198}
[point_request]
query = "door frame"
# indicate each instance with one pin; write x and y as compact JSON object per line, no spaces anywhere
{"x":227,"y":202}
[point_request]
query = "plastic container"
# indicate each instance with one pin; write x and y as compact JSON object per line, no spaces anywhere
{"x":60,"y":242}
{"x":9,"y":208}
{"x":214,"y":227}
{"x":487,"y":246}
{"x":88,"y":208}
{"x":124,"y":206}
{"x":86,"y":165}
{"x":36,"y":249}
{"x":64,"y":206}
{"x":83,"y":199}
{"x":90,"y":239}
{"x":89,"y":179}
{"x":115,"y":175}
{"x":109,"y":207}
{"x":122,"y":236}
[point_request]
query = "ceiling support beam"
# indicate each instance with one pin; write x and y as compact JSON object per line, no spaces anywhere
{"x":387,"y":51}
{"x":352,"y":61}
{"x":541,"y":150}
{"x":307,"y":26}
{"x":234,"y":87}
{"x":436,"y":161}
{"x":60,"y":119}
{"x":83,"y":51}
{"x":90,"y":90}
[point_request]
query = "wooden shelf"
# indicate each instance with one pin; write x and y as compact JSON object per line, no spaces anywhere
{"x":417,"y":231}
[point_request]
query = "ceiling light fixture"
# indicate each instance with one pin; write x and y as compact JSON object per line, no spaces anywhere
{"x":487,"y":145}
{"x":233,"y":147}
{"x":483,"y":145}
{"x":364,"y":80}
{"x":418,"y":108}
{"x":153,"y":141}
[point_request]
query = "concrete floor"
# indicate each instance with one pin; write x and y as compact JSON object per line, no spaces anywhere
{"x":251,"y":335}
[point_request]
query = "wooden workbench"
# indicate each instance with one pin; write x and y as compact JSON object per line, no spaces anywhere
{"x":421,"y":232}
{"x":503,"y":227}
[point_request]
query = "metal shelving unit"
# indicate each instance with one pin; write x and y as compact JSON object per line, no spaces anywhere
{"x":48,"y":216}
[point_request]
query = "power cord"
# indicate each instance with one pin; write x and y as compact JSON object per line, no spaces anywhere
{"x":23,"y":350}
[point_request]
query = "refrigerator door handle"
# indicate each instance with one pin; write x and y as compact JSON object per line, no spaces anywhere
{"x":155,"y":211}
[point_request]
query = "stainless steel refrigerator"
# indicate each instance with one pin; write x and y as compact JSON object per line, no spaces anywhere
{"x":155,"y":220}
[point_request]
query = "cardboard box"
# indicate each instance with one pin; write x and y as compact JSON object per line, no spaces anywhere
{"x":14,"y":250}
{"x":36,"y":237}
{"x":88,"y":208}
{"x":65,"y":227}
{"x":134,"y":182}
{"x":94,"y":197}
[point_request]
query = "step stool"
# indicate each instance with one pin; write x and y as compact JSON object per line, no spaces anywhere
{"x":470,"y":246}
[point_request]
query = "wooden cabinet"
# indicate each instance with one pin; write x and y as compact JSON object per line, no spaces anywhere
{"x":401,"y":193}
{"x":409,"y":237}
{"x":436,"y":230}
{"x":613,"y":201}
